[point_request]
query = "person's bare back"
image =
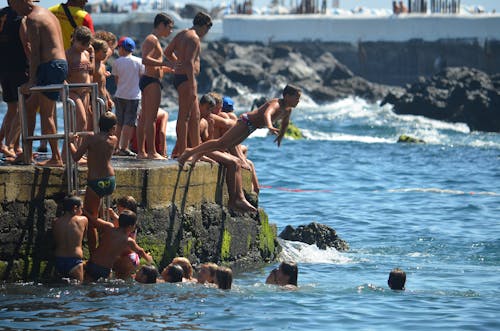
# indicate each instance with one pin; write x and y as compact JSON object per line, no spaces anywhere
{"x":114,"y":241}
{"x":44,"y":35}
{"x":47,"y":66}
{"x":99,"y":148}
{"x":186,"y":45}
{"x":68,"y":231}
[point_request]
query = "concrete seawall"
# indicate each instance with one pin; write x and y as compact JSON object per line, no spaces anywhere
{"x":182,"y":213}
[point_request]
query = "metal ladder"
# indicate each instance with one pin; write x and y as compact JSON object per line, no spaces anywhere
{"x":69,"y":113}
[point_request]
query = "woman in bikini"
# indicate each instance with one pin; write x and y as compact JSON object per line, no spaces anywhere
{"x":80,"y":58}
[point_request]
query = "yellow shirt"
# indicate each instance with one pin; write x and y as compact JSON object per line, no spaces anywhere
{"x":81,"y":17}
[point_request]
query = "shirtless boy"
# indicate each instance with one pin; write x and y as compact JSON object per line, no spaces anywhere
{"x":237,"y":200}
{"x":68,"y":231}
{"x":263,"y":117}
{"x":184,"y":51}
{"x":81,"y":68}
{"x":100,"y":174}
{"x":47,"y":66}
{"x":150,"y":85}
{"x":114,"y":242}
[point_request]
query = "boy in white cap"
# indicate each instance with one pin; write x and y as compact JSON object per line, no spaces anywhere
{"x":127,"y":70}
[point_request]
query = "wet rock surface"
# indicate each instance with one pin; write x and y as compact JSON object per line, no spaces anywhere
{"x":457,"y":94}
{"x":321,"y":235}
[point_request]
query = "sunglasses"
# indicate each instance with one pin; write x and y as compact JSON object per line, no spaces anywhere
{"x":209,"y":25}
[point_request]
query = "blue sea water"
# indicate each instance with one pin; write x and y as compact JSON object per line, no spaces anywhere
{"x":431,"y":209}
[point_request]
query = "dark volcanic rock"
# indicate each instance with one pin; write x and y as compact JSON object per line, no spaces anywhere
{"x":455,"y":95}
{"x":234,"y":69}
{"x":315,"y":233}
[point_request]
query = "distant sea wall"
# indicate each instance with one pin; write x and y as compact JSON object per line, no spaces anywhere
{"x":182,"y":213}
{"x":401,"y":63}
{"x":392,"y":50}
{"x":359,"y":28}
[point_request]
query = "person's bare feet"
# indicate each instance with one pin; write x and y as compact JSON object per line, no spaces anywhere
{"x":19,"y":159}
{"x":50,"y":163}
{"x":142,"y":156}
{"x":7,"y":152}
{"x":155,"y":156}
{"x":242,"y":205}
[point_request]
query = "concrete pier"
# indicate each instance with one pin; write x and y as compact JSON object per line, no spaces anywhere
{"x":182,"y":213}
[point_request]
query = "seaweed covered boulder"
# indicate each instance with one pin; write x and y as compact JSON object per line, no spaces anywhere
{"x":321,"y":235}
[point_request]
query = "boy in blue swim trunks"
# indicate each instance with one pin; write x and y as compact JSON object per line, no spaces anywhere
{"x":69,"y":231}
{"x":100,"y":173}
{"x":263,"y":117}
{"x":114,"y":242}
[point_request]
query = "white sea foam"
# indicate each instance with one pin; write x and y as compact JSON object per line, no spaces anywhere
{"x":315,"y":135}
{"x":304,"y":253}
{"x":355,"y":119}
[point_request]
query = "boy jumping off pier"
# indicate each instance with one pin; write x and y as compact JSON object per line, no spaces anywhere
{"x":263,"y":117}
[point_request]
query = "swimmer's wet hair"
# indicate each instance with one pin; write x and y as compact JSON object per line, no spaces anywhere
{"x":201,"y":19}
{"x":291,"y":270}
{"x":187,"y":268}
{"x":127,"y":218}
{"x":107,"y":121}
{"x":397,"y":279}
{"x":151,"y":274}
{"x":174,"y":271}
{"x":291,"y":90}
{"x":224,"y":278}
{"x":70,"y":202}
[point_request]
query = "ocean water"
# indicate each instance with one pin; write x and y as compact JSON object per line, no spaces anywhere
{"x":431,"y":209}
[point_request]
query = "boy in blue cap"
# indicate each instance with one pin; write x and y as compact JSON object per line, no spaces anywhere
{"x":228,"y":107}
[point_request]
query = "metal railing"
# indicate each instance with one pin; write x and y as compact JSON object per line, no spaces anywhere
{"x":69,"y":115}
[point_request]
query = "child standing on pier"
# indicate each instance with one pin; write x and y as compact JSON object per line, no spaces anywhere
{"x":127,"y":70}
{"x":80,"y":70}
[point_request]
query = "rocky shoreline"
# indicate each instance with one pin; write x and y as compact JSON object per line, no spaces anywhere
{"x":454,"y":94}
{"x":239,"y":70}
